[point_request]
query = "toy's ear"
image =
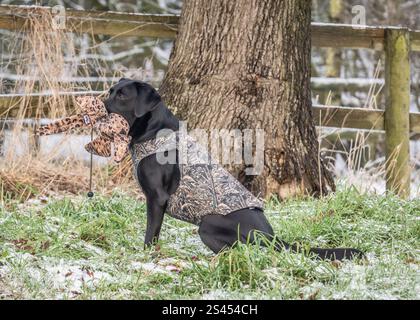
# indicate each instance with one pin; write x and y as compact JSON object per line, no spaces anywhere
{"x":101,"y":146}
{"x":147,"y":99}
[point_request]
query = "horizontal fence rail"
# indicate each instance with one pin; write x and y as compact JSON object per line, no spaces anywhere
{"x":96,"y":22}
{"x":317,"y":83}
{"x":357,"y":118}
{"x":397,"y":43}
{"x":165,"y":26}
{"x":324,"y":116}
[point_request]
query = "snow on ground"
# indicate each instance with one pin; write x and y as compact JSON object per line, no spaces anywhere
{"x":66,"y":278}
{"x":28,"y":275}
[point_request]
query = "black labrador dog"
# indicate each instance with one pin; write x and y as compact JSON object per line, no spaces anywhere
{"x":141,"y":105}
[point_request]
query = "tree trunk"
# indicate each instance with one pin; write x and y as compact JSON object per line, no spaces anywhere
{"x":246,"y":65}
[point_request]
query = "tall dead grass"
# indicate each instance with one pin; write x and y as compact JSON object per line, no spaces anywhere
{"x":366,"y":167}
{"x":40,"y":56}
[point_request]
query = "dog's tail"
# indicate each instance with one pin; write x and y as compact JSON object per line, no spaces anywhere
{"x":323,"y":254}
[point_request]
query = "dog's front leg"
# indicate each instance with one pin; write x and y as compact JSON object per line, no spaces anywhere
{"x":156,"y":207}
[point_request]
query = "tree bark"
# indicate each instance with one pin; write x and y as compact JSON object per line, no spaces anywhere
{"x":246,"y":64}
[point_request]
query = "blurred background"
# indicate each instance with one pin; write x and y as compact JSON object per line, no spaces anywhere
{"x":92,"y":63}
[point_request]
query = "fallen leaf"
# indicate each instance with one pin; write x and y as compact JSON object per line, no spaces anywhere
{"x":89,"y":273}
{"x":313,"y":295}
{"x":45,"y":245}
{"x":173,"y":268}
{"x":43,"y":199}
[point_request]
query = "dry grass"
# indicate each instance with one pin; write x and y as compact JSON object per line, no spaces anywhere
{"x":36,"y":179}
{"x":360,"y":150}
{"x":38,"y":57}
{"x":33,"y":179}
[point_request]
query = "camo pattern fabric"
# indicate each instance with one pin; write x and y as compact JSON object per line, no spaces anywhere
{"x":205,"y":187}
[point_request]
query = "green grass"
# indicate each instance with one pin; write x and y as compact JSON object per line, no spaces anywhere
{"x":74,"y":248}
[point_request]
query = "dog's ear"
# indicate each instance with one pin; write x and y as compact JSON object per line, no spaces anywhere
{"x":123,"y":79}
{"x":147,"y":99}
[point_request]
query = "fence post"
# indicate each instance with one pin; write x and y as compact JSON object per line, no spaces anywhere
{"x":397,"y":116}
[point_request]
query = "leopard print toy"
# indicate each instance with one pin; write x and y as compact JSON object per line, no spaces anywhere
{"x":112,"y":128}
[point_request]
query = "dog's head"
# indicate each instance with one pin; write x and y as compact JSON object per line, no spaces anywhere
{"x":132,"y":99}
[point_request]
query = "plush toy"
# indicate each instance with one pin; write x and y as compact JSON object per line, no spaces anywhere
{"x":112,"y":128}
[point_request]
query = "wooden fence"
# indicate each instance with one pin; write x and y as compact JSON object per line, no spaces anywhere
{"x":395,"y":119}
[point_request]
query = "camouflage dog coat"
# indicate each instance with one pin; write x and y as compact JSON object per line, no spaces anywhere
{"x":205,"y":187}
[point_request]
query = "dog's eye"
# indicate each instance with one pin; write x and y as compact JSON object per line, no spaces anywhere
{"x":120,"y":95}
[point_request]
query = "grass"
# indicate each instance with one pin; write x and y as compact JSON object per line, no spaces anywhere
{"x":74,"y":248}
